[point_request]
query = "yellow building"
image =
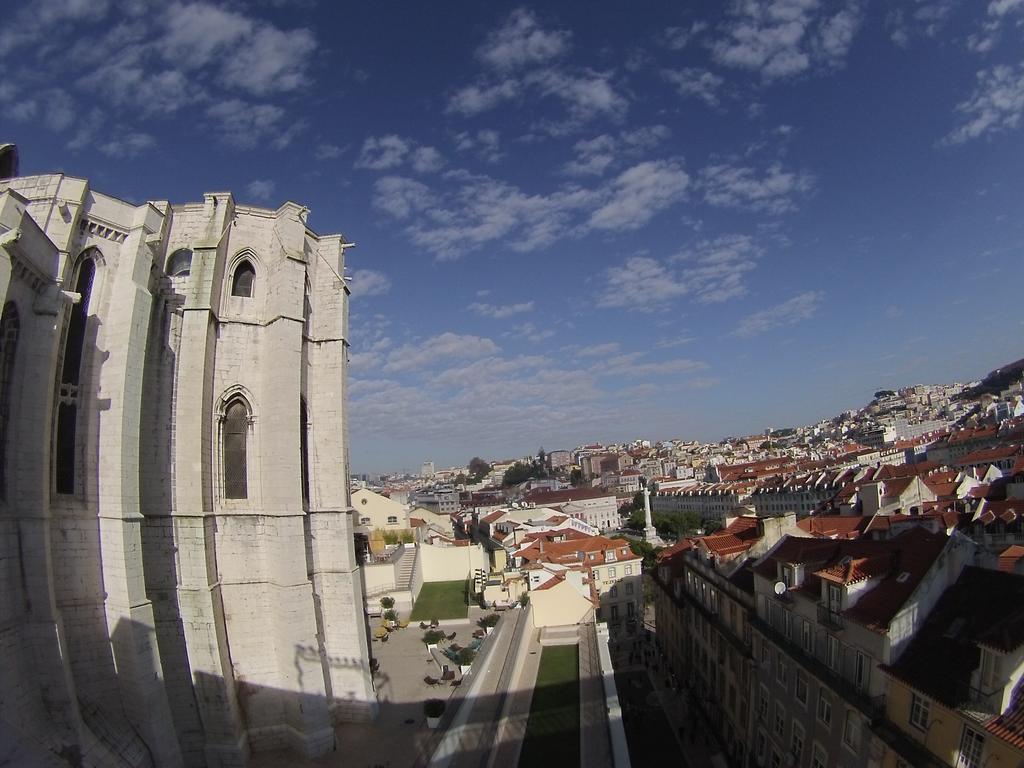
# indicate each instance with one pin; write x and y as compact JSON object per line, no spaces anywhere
{"x":955,"y":695}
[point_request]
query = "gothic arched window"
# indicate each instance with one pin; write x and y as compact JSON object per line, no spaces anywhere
{"x":304,"y":448}
{"x":9,"y":327}
{"x":71,"y":371}
{"x":236,"y":434}
{"x":180,"y":263}
{"x":243,"y":279}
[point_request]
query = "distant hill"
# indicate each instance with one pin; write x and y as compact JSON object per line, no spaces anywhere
{"x":996,"y":381}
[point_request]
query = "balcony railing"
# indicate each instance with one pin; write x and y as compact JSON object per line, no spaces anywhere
{"x":830,"y":617}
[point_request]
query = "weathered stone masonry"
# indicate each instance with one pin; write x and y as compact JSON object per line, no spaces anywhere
{"x":153,"y":615}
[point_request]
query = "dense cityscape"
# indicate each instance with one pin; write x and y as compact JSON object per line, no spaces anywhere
{"x":486,"y":385}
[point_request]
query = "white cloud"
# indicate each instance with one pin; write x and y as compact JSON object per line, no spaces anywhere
{"x":464,"y":211}
{"x":260,"y":189}
{"x":586,"y":95}
{"x":801,"y":307}
{"x":244,"y":125}
{"x":645,"y":137}
{"x":474,"y":99}
{"x":426,"y":160}
{"x":370,"y":282}
{"x":401,"y":197}
{"x":639,"y":193}
{"x":328,"y":151}
{"x":249,"y":54}
{"x":782,"y":38}
{"x":382,"y":152}
{"x":500,"y":311}
{"x":486,"y":143}
{"x":532,"y":332}
{"x":60,"y":110}
{"x":641,"y":283}
{"x":775,"y":191}
{"x":438,"y":350}
{"x":714,"y":270}
{"x":599,"y":350}
{"x":593,"y":156}
{"x":521,"y":41}
{"x":677,"y":38}
{"x":478,"y":210}
{"x":996,"y":105}
{"x":127,"y":144}
{"x":710,"y":272}
{"x":699,"y":83}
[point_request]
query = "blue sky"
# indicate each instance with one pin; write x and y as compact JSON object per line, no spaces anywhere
{"x":581,"y":221}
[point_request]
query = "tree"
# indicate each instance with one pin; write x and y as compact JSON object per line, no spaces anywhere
{"x":542,"y":459}
{"x":478,"y":469}
{"x":576,"y":477}
{"x":518,"y":473}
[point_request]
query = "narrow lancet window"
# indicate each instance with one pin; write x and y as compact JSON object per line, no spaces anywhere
{"x":9,"y":327}
{"x":304,"y":449}
{"x":68,"y":398}
{"x":236,"y":433}
{"x":242,"y":282}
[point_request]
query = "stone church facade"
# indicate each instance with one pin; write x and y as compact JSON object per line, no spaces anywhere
{"x":178,"y":585}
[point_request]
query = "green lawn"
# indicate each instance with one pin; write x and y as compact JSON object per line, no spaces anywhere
{"x":553,"y":730}
{"x":441,"y":600}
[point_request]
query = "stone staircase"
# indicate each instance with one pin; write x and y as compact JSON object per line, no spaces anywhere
{"x":404,"y":568}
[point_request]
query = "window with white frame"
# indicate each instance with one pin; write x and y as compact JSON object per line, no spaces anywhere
{"x":392,"y":520}
{"x":801,"y":687}
{"x":629,"y":570}
{"x":819,"y":757}
{"x":796,"y":742}
{"x":762,"y":704}
{"x":861,"y":671}
{"x":833,"y":652}
{"x":919,"y":712}
{"x":611,"y":572}
{"x":851,"y":730}
{"x":807,"y":637}
{"x":780,"y":721}
{"x":824,"y":709}
{"x":782,"y":672}
{"x":972,"y":744}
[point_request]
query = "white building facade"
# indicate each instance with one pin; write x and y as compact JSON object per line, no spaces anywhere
{"x":179,"y":573}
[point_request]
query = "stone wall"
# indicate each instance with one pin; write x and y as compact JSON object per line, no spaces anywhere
{"x":145,"y":618}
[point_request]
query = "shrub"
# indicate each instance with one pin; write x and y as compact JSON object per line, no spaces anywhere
{"x":390,"y":615}
{"x":433,"y":707}
{"x":433,"y":636}
{"x":490,"y":620}
{"x":387,"y":603}
{"x":407,"y":537}
{"x":390,"y":537}
{"x":524,"y":599}
{"x":466,"y":656}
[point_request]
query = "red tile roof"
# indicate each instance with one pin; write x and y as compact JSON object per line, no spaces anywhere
{"x":572,"y":494}
{"x":912,"y":552}
{"x":834,"y":526}
{"x":1009,"y":558}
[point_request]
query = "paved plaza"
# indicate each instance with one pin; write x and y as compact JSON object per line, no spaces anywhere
{"x":399,"y":737}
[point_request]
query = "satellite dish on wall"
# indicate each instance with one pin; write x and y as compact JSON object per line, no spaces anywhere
{"x":780,"y":588}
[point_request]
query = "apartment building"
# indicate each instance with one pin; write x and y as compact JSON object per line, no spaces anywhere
{"x":952,"y":698}
{"x":703,"y":600}
{"x":611,"y":574}
{"x":827,"y":614}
